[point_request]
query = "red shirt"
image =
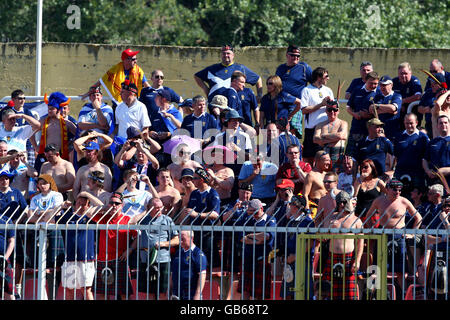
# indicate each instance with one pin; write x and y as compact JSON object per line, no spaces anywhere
{"x":107,"y":242}
{"x":288,"y":171}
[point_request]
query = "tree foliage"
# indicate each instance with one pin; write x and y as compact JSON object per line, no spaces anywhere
{"x":309,"y":23}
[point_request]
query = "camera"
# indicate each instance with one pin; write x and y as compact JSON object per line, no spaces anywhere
{"x":132,"y":143}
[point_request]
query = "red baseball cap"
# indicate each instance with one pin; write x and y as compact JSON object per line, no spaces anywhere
{"x":128,"y":53}
{"x":286,"y":183}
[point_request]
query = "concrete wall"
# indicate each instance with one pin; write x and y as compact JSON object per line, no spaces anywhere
{"x":72,"y":68}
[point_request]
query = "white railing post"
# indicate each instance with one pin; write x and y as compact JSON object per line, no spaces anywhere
{"x":42,"y":264}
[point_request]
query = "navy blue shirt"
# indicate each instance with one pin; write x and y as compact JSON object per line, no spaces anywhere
{"x":361,"y":99}
{"x":294,"y":78}
{"x":427,"y":100}
{"x":234,"y":101}
{"x":447,"y":80}
{"x":5,"y":235}
{"x":391,"y":121}
{"x":409,"y":151}
{"x":249,"y":103}
{"x":204,"y":122}
{"x":10,"y":201}
{"x":202,"y":202}
{"x":284,"y":103}
{"x":218,"y":75}
{"x":356,"y":83}
{"x":438,"y":153}
{"x":148,"y":95}
{"x":79,"y":244}
{"x":163,"y":124}
{"x":375,"y":150}
{"x":409,"y":89}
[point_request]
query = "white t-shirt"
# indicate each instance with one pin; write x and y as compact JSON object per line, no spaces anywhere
{"x":134,"y":116}
{"x":52,"y":200}
{"x":311,"y":96}
{"x":17,"y":137}
{"x":136,"y":203}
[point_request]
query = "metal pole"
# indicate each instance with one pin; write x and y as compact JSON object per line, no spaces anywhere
{"x":37,"y":87}
{"x":42,"y":264}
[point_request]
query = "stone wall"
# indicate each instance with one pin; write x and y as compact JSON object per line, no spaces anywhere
{"x":73,"y":67}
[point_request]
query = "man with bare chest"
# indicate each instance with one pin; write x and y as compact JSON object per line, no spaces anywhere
{"x":61,"y":170}
{"x":55,"y":129}
{"x":327,"y":203}
{"x":344,"y":255}
{"x":182,"y":160}
{"x":169,"y":196}
{"x":332,"y":135}
{"x":391,"y":210}
{"x":314,"y":189}
{"x":81,"y":179}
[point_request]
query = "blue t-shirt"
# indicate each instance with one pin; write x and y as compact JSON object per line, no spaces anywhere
{"x":391,"y":121}
{"x":218,"y":75}
{"x":203,"y":123}
{"x":264,"y":182}
{"x":438,"y":153}
{"x":285,"y":103}
{"x":234,"y":101}
{"x":409,"y":89}
{"x":361,"y":99}
{"x":79,"y":244}
{"x":148,"y":95}
{"x":427,"y":100}
{"x":185,"y":269}
{"x":205,"y":201}
{"x":375,"y":150}
{"x":294,"y":78}
{"x":10,"y":201}
{"x":285,"y":141}
{"x":356,"y":83}
{"x":5,"y":235}
{"x":163,"y":124}
{"x":409,"y":151}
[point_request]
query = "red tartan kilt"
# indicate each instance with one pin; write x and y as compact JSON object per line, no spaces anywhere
{"x":259,"y":277}
{"x":346,"y":286}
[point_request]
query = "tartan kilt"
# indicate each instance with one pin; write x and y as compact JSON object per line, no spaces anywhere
{"x":348,"y":288}
{"x":227,"y":253}
{"x":259,"y":276}
{"x":120,"y":278}
{"x":6,"y":280}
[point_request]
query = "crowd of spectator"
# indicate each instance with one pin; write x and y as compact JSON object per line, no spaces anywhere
{"x":229,"y":157}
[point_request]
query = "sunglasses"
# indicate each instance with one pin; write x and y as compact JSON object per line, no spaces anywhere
{"x":365,"y":167}
{"x":159,"y":77}
{"x":115,"y":203}
{"x":20,"y":98}
{"x":132,"y":59}
{"x":332,"y":110}
{"x":269,"y":83}
{"x":294,"y":55}
{"x":328,"y":181}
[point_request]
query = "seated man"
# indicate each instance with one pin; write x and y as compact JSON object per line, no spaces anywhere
{"x":295,"y":169}
{"x":182,"y":160}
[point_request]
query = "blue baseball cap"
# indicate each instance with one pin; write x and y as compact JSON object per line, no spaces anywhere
{"x":6,"y":174}
{"x":92,"y":146}
{"x":187,"y":173}
{"x":386,"y":80}
{"x":186,"y":103}
{"x":165,"y":94}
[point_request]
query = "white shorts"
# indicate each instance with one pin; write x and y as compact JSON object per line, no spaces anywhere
{"x":79,"y":274}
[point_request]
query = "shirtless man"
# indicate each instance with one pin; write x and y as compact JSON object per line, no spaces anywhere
{"x":314,"y":189}
{"x":61,"y":170}
{"x":327,"y":203}
{"x":169,"y":196}
{"x":91,"y":154}
{"x":51,"y":132}
{"x":391,"y":209}
{"x":222,"y":177}
{"x":345,"y":255}
{"x":332,"y":135}
{"x":181,"y":160}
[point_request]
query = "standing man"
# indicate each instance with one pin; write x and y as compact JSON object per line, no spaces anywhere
{"x":437,"y":154}
{"x":387,"y":105}
{"x":219,"y":75}
{"x":149,"y":94}
{"x":314,"y":188}
{"x":375,"y":146}
{"x":127,"y":69}
{"x":131,"y":112}
{"x":7,"y":244}
{"x":314,"y":100}
{"x":358,"y":107}
{"x":237,"y":84}
{"x":188,"y":270}
{"x":156,"y":237}
{"x":61,"y":170}
{"x":295,"y":75}
{"x":408,"y":86}
{"x":364,"y":69}
{"x":409,"y":150}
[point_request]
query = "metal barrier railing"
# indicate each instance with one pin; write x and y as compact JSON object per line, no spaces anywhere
{"x":287,"y":262}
